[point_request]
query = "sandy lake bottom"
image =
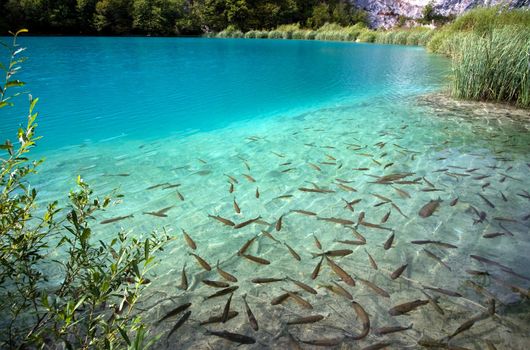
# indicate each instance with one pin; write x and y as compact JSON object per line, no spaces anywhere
{"x":387,"y":159}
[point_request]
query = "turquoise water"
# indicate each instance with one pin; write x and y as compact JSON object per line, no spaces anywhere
{"x":282,"y":118}
{"x":93,"y":89}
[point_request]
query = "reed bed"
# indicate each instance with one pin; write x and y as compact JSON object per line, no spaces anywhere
{"x":492,"y":67}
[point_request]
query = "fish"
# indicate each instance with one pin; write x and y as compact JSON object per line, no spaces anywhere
{"x":301,"y":301}
{"x":385,"y":218}
{"x":404,"y":308}
{"x":179,"y":323}
{"x":315,"y":190}
{"x":374,"y":287}
{"x":222,"y":220}
{"x":390,"y":330}
{"x":468,"y":324}
{"x":280,"y":299}
{"x":285,"y":196}
{"x":369,"y":224}
{"x":363,"y":316}
{"x":233,"y":337}
{"x":340,"y":272}
{"x":429,"y":208}
{"x":245,"y":246}
{"x":337,"y":221}
{"x":181,"y":197}
{"x":236,"y":207}
{"x":399,"y":210}
{"x":343,"y":181}
{"x":202,"y":262}
{"x":256,"y":259}
{"x":398,"y":271}
{"x":175,"y":311}
{"x":231,"y":188}
{"x":118,"y":218}
{"x":360,"y":218}
{"x":251,"y":318}
{"x":377,"y":346}
{"x":293,"y":252}
{"x":188,"y":240}
{"x":278,"y":225}
{"x":226,"y":309}
{"x":486,"y":200}
{"x":303,"y":212}
{"x":216,"y":284}
{"x":323,"y":341}
{"x":435,"y":257}
{"x":338,"y":252}
{"x":453,"y":202}
{"x":278,"y":154}
{"x":372,"y":261}
{"x":384,"y":199}
{"x":249,"y":178}
{"x":225,"y":274}
{"x":444,"y":291}
{"x":267,"y":280}
{"x":268,"y":235}
{"x":303,"y":286}
{"x":314,"y":166}
{"x":158,"y":185}
{"x":183,"y":279}
{"x":351,"y":242}
{"x":389,"y":241}
{"x":316,"y":270}
{"x":439,"y":243}
{"x":217,"y":319}
{"x":160,"y":213}
{"x":222,"y":292}
{"x":346,"y":188}
{"x":232,"y":179}
{"x":392,"y":177}
{"x":317,"y":242}
{"x":338,"y":289}
{"x":493,"y":234}
{"x":246,"y":223}
{"x":434,"y":303}
{"x":257,"y":192}
{"x":306,"y":319}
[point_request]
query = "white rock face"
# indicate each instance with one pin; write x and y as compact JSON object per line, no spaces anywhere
{"x":385,"y":13}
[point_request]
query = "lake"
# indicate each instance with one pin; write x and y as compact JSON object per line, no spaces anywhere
{"x":348,"y":144}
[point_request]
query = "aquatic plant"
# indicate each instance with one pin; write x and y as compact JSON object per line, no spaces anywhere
{"x":367,"y":36}
{"x":492,"y":67}
{"x":60,"y":287}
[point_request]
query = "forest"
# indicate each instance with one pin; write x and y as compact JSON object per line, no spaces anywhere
{"x":170,"y":17}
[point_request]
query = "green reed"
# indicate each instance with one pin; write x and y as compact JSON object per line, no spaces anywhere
{"x":493,"y":66}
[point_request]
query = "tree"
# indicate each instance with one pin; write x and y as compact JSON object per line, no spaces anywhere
{"x":320,"y":16}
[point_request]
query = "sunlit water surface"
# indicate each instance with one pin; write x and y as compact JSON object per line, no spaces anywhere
{"x":277,"y":117}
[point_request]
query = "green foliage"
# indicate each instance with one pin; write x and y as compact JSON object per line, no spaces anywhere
{"x":61,"y":287}
{"x":492,"y":67}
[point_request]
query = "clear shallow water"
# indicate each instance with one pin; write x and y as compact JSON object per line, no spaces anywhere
{"x":354,"y":134}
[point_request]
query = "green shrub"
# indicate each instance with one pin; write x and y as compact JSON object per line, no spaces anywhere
{"x":274,"y":34}
{"x":366,"y":36}
{"x":310,"y":35}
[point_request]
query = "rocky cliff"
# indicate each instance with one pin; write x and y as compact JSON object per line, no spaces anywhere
{"x":385,"y":13}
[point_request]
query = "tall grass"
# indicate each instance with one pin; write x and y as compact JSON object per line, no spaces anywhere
{"x":494,"y":66}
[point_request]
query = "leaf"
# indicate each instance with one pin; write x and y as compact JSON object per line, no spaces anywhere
{"x":14,"y":83}
{"x":23,"y":30}
{"x":124,"y":335}
{"x":5,"y":103}
{"x":32,"y":104}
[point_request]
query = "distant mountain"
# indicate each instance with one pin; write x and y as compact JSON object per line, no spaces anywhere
{"x":385,"y":13}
